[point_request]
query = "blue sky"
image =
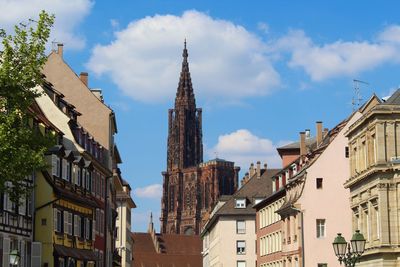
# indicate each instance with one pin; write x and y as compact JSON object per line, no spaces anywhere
{"x":262,"y":70}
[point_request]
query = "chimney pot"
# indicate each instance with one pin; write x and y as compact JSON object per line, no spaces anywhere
{"x":319,"y":132}
{"x":84,"y":76}
{"x":60,"y":49}
{"x":302,"y":143}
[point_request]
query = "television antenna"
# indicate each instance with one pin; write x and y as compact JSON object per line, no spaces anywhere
{"x":356,"y":101}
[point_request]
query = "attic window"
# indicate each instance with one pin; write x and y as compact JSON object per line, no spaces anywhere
{"x":240,"y":203}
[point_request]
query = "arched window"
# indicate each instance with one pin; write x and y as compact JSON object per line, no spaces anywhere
{"x":171,"y":197}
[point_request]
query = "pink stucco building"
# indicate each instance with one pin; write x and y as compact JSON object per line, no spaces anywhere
{"x":309,"y":205}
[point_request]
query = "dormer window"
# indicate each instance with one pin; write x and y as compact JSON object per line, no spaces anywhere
{"x":240,"y":203}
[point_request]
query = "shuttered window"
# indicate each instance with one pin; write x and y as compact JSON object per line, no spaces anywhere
{"x":58,"y":221}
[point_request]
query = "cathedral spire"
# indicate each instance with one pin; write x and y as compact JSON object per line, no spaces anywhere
{"x":185,"y":89}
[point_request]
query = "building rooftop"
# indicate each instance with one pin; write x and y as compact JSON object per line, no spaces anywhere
{"x":255,"y":188}
{"x":176,"y":250}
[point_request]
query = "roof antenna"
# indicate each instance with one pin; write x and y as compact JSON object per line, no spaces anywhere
{"x":356,"y":101}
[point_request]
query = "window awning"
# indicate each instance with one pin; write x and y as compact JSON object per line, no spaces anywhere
{"x":76,"y":253}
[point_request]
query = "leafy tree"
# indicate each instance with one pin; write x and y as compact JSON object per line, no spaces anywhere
{"x":22,"y":146}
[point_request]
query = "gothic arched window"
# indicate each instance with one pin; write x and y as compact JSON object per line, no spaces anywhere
{"x":171,"y":197}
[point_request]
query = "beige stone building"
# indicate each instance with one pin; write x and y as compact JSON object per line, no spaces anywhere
{"x":374,"y":147}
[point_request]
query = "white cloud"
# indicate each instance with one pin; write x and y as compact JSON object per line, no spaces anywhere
{"x":150,"y":191}
{"x":114,"y":23}
{"x":264,"y":27}
{"x":68,"y":16}
{"x":226,"y":60}
{"x":339,"y":58}
{"x":244,"y":148}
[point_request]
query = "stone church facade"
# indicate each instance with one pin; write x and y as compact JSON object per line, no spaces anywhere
{"x":191,"y":187}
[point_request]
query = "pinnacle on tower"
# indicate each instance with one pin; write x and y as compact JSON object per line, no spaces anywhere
{"x":185,"y":89}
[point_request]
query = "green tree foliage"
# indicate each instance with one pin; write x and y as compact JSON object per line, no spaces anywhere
{"x":22,"y":146}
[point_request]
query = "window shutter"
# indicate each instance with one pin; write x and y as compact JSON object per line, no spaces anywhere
{"x":70,"y":223}
{"x":93,"y":228}
{"x":36,"y":254}
{"x":65,"y":219}
{"x":54,"y":164}
{"x":76,"y":225}
{"x":22,"y":252}
{"x":6,"y":251}
{"x":55,"y":220}
{"x":64,"y":169}
{"x":83,"y":176}
{"x":5,"y":201}
{"x":78,"y":176}
{"x":73,"y":180}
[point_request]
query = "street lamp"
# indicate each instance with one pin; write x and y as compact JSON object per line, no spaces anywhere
{"x":354,"y":250}
{"x":14,"y":257}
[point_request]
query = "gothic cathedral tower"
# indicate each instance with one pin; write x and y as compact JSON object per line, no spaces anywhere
{"x":190,"y":187}
{"x":185,"y":145}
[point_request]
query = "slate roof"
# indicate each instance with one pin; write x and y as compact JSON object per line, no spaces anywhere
{"x":176,"y":251}
{"x":394,"y":99}
{"x":310,"y":142}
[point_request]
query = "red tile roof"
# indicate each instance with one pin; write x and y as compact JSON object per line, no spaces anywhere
{"x":176,"y":251}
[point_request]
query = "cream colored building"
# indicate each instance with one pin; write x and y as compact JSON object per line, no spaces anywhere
{"x":229,"y":236}
{"x":123,"y":241}
{"x":374,"y":147}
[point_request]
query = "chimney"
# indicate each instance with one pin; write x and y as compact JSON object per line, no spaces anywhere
{"x":60,"y":49}
{"x":244,"y":179}
{"x":84,"y":76}
{"x":251,"y":170}
{"x":302,"y":143}
{"x":319,"y":132}
{"x":258,"y":169}
{"x":308,"y":133}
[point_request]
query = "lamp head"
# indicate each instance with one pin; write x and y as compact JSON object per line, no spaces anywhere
{"x":339,"y":246}
{"x":358,"y":243}
{"x":14,"y":257}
